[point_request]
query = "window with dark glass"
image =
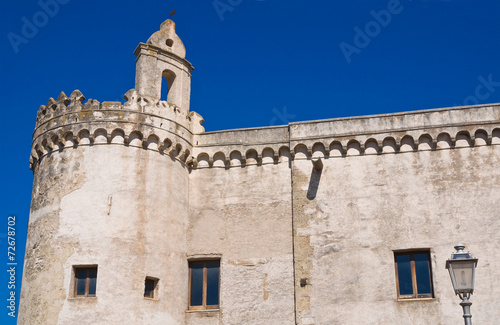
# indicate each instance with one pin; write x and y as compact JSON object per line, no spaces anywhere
{"x":150,"y":285}
{"x":85,"y":281}
{"x":413,"y":274}
{"x":204,"y":285}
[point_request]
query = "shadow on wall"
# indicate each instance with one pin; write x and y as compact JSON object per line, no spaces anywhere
{"x":314,"y":183}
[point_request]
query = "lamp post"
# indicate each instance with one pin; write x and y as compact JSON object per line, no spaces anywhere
{"x":462,"y":268}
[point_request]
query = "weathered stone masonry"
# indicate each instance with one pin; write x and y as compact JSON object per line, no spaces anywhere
{"x":305,"y":218}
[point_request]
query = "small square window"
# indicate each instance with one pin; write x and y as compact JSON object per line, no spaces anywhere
{"x":150,"y":285}
{"x":85,"y":281}
{"x":204,"y":278}
{"x":413,"y":274}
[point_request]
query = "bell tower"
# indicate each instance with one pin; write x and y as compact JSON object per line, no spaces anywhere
{"x":163,"y":57}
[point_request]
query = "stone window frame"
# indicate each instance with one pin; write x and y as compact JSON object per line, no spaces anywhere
{"x":204,"y":306}
{"x":415,"y":295}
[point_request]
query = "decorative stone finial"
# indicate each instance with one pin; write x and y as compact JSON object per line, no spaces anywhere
{"x":167,"y":40}
{"x":168,"y":24}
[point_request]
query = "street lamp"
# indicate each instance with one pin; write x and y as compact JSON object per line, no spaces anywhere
{"x":462,"y":267}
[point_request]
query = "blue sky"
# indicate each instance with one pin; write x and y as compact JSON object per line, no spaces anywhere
{"x":257,"y":63}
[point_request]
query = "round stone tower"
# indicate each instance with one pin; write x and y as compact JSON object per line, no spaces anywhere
{"x":107,"y":229}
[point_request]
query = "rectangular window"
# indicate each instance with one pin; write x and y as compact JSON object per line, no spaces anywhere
{"x":413,"y":274}
{"x":85,"y":281}
{"x":150,"y":285}
{"x":204,"y":285}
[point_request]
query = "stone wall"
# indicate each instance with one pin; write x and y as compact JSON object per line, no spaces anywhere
{"x":414,"y":180}
{"x":366,"y":207}
{"x":89,"y":207}
{"x":304,"y":218}
{"x":110,"y":189}
{"x":243,"y":215}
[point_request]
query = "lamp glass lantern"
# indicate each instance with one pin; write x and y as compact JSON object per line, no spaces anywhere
{"x":462,"y":268}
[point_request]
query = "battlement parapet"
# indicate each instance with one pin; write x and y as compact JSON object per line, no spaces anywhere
{"x":429,"y":130}
{"x":48,"y":114}
{"x":141,"y":121}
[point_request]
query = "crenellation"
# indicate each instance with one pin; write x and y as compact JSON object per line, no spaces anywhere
{"x":49,"y":109}
{"x":397,"y":141}
{"x":111,"y":106}
{"x":63,"y":139}
{"x":76,"y":100}
{"x":74,"y":109}
{"x":91,"y":105}
{"x":61,"y":104}
{"x":62,"y":99}
{"x":196,"y":122}
{"x":372,"y":144}
{"x":73,"y":116}
{"x":40,"y":113}
{"x":51,"y":105}
{"x":131,"y":98}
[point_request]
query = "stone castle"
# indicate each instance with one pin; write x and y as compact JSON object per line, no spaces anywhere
{"x":138,"y":216}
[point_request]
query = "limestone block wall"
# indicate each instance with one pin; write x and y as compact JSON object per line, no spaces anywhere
{"x":139,"y":189}
{"x":378,"y":193}
{"x":243,"y":215}
{"x":129,"y":219}
{"x":366,"y":207}
{"x":414,"y":180}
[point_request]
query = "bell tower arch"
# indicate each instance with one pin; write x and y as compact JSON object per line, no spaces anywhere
{"x":163,"y":57}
